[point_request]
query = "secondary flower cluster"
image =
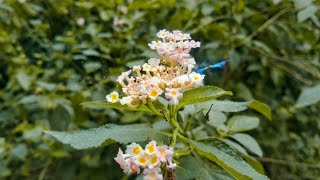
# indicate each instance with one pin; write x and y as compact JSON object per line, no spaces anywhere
{"x":171,"y":74}
{"x":152,"y":158}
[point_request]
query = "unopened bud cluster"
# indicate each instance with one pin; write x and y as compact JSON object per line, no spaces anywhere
{"x":170,"y":74}
{"x":151,"y":159}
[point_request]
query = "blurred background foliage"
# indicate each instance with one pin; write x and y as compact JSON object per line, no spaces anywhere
{"x":57,"y":54}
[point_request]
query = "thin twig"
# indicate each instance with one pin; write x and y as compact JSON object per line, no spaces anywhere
{"x":295,"y":75}
{"x":288,"y":163}
{"x":291,"y":62}
{"x":44,"y":170}
{"x":264,"y":26}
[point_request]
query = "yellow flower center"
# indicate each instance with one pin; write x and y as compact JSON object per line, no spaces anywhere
{"x":151,"y":148}
{"x":196,"y":78}
{"x":114,"y":97}
{"x":154,"y":159}
{"x":142,"y":160}
{"x":153,"y":93}
{"x":136,"y":150}
{"x":174,"y":93}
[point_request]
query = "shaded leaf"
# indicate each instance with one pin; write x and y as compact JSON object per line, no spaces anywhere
{"x":219,"y":152}
{"x":192,"y":168}
{"x":236,"y":146}
{"x":216,"y":118}
{"x":248,"y":142}
{"x":114,"y":106}
{"x":106,"y":134}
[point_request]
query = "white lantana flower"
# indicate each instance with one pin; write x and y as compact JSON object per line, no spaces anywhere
{"x":197,"y":78}
{"x":153,"y":161}
{"x":120,"y":159}
{"x":136,"y":158}
{"x":165,"y":153}
{"x":113,"y":97}
{"x":152,"y":174}
{"x":173,"y":94}
{"x":171,"y":74}
{"x":162,"y":33}
{"x":151,"y":147}
{"x":146,"y":67}
{"x":154,"y":93}
{"x":126,"y":100}
{"x":142,"y":160}
{"x":134,"y":149}
{"x":133,"y":166}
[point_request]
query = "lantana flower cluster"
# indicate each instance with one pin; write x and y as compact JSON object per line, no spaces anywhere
{"x":169,"y":74}
{"x":151,"y":160}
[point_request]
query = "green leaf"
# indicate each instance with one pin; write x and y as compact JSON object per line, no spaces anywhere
{"x":90,"y":52}
{"x":231,"y":106}
{"x":24,"y":79}
{"x":116,"y":105}
{"x":307,"y":13}
{"x":216,"y":118}
{"x":192,"y":168}
{"x":309,"y":96}
{"x":235,"y":145}
{"x":261,"y":108}
{"x":248,"y":142}
{"x":254,"y":163}
{"x":162,"y":125}
{"x":105,"y":135}
{"x":225,"y":106}
{"x":241,"y":123}
{"x":219,"y":152}
{"x":201,"y":94}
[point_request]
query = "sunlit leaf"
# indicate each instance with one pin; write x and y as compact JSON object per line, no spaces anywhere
{"x":261,"y":108}
{"x":201,"y":94}
{"x":309,"y":96}
{"x":307,"y":13}
{"x":240,"y":123}
{"x":231,"y":106}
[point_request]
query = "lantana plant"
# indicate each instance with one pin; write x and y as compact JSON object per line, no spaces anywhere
{"x":203,"y":143}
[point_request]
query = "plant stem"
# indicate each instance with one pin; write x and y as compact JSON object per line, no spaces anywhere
{"x":174,"y":138}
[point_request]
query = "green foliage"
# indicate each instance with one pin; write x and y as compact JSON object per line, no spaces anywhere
{"x":201,"y":94}
{"x":216,"y":150}
{"x":115,"y":106}
{"x":105,"y":135}
{"x":195,"y":168}
{"x":230,"y":106}
{"x":242,"y":123}
{"x":227,"y":158}
{"x":248,"y":142}
{"x":309,"y":96}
